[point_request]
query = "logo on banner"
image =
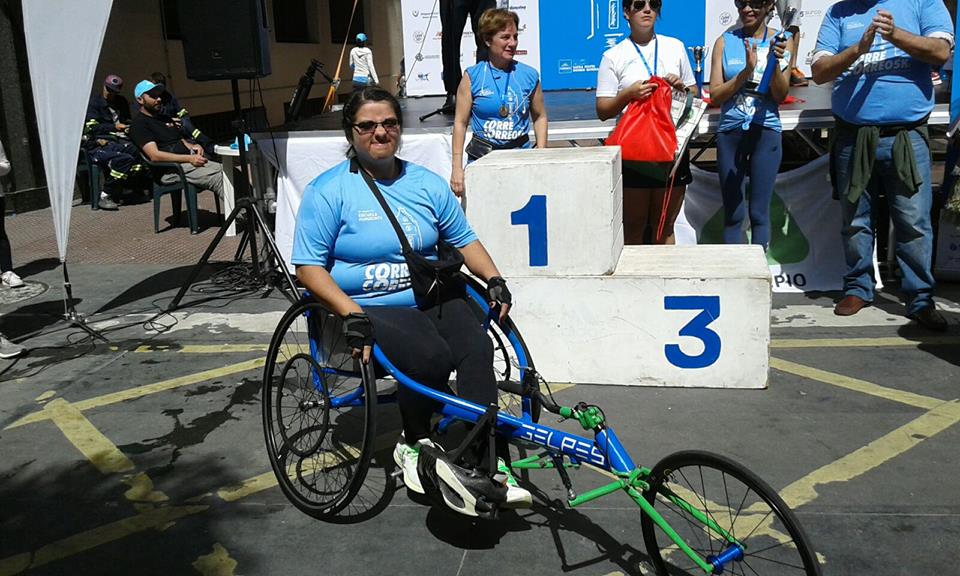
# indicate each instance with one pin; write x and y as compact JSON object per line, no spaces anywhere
{"x":418,"y":36}
{"x":565,"y":66}
{"x":425,"y":77}
{"x":726,"y":18}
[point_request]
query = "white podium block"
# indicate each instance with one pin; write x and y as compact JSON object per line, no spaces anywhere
{"x":553,"y":212}
{"x":691,"y":316}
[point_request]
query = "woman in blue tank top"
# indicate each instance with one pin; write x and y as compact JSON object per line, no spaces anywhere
{"x":749,"y":139}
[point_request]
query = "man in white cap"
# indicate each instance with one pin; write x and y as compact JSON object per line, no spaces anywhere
{"x":162,"y":140}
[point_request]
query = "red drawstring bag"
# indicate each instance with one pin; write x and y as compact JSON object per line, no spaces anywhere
{"x":645,"y":132}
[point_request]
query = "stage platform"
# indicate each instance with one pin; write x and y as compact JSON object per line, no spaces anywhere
{"x":573,"y":116}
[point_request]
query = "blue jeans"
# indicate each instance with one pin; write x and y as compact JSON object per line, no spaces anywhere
{"x":909,"y":212}
{"x":755,"y":152}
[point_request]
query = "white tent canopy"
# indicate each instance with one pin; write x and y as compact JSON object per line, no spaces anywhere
{"x":63,"y":46}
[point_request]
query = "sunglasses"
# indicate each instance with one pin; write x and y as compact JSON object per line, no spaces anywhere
{"x":639,"y":5}
{"x":755,"y":4}
{"x":369,"y":126}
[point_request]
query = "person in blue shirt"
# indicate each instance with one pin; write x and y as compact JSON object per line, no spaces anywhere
{"x":880,"y":55}
{"x":348,"y":255}
{"x":749,"y":139}
{"x":498,"y":98}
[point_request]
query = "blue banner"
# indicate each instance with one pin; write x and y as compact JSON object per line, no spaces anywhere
{"x":575,"y":33}
{"x":954,"y":82}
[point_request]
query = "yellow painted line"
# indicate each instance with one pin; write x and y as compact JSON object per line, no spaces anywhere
{"x":217,"y":563}
{"x":46,"y":396}
{"x":864,"y":342}
{"x":141,"y":490}
{"x":873,"y":454}
{"x":97,"y":448}
{"x":78,"y":543}
{"x":148,"y":389}
{"x":857,"y":385}
{"x":204,"y":348}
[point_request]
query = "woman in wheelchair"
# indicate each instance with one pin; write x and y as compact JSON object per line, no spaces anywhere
{"x":348,"y":255}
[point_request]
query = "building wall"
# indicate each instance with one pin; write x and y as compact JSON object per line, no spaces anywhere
{"x":134,"y":47}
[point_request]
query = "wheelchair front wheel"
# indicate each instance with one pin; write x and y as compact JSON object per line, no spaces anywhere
{"x":737,"y":501}
{"x":318,"y":407}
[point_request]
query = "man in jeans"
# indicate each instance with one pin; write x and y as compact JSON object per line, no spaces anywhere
{"x":880,"y":53}
{"x":162,"y":140}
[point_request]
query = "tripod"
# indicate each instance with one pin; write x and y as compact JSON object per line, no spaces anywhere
{"x":254,"y":224}
{"x":449,"y":107}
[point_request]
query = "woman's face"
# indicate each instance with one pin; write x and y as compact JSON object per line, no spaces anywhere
{"x":753,"y":11}
{"x":376,"y":132}
{"x":642,"y":14}
{"x":503,"y":45}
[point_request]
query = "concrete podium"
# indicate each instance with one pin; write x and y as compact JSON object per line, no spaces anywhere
{"x":594,"y":311}
{"x":548,"y":212}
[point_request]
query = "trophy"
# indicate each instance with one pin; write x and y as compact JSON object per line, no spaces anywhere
{"x":773,"y":65}
{"x":699,"y":54}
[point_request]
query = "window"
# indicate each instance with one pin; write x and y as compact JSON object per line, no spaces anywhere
{"x":171,"y":20}
{"x":339,"y":18}
{"x":295,"y":21}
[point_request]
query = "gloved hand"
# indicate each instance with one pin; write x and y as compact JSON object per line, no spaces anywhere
{"x":499,"y":295}
{"x":358,"y":331}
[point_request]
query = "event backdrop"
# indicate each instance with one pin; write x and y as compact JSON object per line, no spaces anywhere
{"x":565,"y":39}
{"x":804,"y":252}
{"x":421,"y":43}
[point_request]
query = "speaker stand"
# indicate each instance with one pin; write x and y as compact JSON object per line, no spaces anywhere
{"x":263,"y":269}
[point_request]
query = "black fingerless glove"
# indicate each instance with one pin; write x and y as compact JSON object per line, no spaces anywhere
{"x":497,"y":291}
{"x":358,"y":330}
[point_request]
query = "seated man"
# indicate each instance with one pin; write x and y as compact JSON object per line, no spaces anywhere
{"x":161,"y":140}
{"x":170,"y":108}
{"x":105,"y":140}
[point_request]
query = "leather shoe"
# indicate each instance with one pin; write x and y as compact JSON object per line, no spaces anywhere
{"x":850,"y":305}
{"x":931,"y":319}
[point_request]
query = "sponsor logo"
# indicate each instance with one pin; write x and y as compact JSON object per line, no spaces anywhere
{"x":546,"y":437}
{"x":425,"y":77}
{"x":726,"y":18}
{"x":564,"y":66}
{"x":418,"y":36}
{"x":368,"y":216}
{"x":484,"y":92}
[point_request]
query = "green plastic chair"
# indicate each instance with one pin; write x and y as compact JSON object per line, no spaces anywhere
{"x":160,"y":188}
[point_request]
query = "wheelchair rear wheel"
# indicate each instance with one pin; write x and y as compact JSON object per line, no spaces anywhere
{"x":318,"y":407}
{"x":511,"y":359}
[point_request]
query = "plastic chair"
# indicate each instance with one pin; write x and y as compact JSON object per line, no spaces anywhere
{"x":93,"y":172}
{"x":174,"y":188}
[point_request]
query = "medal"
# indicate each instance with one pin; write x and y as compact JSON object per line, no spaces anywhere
{"x":504,"y":111}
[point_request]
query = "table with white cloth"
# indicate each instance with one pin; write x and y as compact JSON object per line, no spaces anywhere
{"x":260,"y":176}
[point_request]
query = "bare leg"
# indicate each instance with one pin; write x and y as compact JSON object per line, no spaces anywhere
{"x":636,"y":213}
{"x":673,"y":210}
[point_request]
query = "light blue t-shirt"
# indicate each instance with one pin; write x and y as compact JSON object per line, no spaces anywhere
{"x":744,"y":109}
{"x":341,"y":226}
{"x":491,"y":88}
{"x":886,"y":86}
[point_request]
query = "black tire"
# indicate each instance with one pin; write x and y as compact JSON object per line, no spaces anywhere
{"x":319,"y":452}
{"x":739,"y":502}
{"x":511,"y":358}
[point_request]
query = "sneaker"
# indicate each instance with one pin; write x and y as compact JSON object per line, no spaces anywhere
{"x":931,"y":319}
{"x":106,"y":202}
{"x":517,"y":497}
{"x":11,"y":280}
{"x":10,"y":350}
{"x":406,"y":457}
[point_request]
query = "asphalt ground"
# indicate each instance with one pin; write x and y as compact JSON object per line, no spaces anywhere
{"x":145,"y":454}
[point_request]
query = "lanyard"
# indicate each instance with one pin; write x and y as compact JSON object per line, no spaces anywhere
{"x":656,"y":58}
{"x":504,"y":110}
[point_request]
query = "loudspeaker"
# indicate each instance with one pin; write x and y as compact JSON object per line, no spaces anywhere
{"x":224,"y":39}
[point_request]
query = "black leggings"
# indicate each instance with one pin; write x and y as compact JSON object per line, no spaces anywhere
{"x":6,"y":260}
{"x":427,"y":345}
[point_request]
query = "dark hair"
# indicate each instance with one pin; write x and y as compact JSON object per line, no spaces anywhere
{"x":158,"y":78}
{"x":361,"y":97}
{"x":628,"y":3}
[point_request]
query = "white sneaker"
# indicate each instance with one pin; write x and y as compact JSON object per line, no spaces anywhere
{"x":517,"y":497}
{"x":11,"y":280}
{"x":406,"y":457}
{"x":10,"y":350}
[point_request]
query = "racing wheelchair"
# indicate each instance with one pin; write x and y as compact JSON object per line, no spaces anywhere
{"x":700,"y":512}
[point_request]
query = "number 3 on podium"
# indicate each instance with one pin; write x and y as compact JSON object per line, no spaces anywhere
{"x":709,"y":307}
{"x":534,"y":217}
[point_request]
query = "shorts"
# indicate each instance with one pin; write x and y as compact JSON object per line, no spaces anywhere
{"x":654,"y":175}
